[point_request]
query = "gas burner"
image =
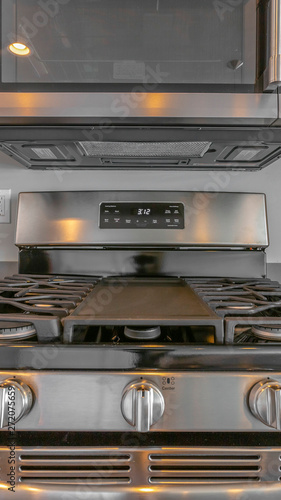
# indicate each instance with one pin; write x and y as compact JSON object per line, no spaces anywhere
{"x":139,"y":333}
{"x":240,"y":298}
{"x":238,"y":307}
{"x":41,"y":300}
{"x":266,"y":332}
{"x":156,"y":335}
{"x":16,"y":331}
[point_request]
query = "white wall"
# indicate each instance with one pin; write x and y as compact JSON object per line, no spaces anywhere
{"x":17,"y":178}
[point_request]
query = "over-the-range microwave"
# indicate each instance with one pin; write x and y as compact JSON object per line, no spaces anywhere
{"x":182,"y":84}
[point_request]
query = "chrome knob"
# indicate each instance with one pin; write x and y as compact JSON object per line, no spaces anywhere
{"x":15,"y":401}
{"x":142,"y":405}
{"x":265,"y":402}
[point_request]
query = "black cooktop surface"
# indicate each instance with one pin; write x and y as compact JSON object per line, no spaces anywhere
{"x":143,"y":300}
{"x":135,"y":302}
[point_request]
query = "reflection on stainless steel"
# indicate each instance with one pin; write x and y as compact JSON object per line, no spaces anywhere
{"x":235,"y":64}
{"x":265,"y":402}
{"x":15,"y":402}
{"x":191,"y":108}
{"x":132,"y":472}
{"x":230,"y":220}
{"x":143,"y":262}
{"x":142,"y":405}
{"x":272,"y":73}
{"x":178,"y":388}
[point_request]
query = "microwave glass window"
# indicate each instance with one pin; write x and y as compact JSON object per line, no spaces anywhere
{"x":147,"y":42}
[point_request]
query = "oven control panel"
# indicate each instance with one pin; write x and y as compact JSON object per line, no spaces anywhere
{"x":142,"y":215}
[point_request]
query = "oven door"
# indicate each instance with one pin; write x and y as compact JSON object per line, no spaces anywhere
{"x":101,"y":50}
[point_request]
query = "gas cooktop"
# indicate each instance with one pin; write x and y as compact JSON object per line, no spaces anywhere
{"x":150,"y":311}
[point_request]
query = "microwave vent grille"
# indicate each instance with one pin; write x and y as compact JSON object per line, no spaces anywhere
{"x":143,"y":149}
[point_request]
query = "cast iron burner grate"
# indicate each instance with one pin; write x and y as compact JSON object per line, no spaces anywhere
{"x":251,"y":308}
{"x":32,"y":306}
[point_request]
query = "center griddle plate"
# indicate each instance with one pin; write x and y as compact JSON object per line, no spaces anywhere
{"x":142,"y":301}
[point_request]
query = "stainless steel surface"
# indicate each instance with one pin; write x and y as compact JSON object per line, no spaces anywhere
{"x":134,"y":472}
{"x":15,"y":402}
{"x":88,"y":108}
{"x":272,"y":73}
{"x":201,"y":492}
{"x":142,"y":405}
{"x":265,"y":402}
{"x":220,"y":400}
{"x":231,"y":220}
{"x":144,"y":262}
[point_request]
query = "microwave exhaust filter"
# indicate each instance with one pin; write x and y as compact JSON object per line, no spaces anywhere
{"x":143,"y":149}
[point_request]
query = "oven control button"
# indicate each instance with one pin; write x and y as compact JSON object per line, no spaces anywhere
{"x":15,"y":401}
{"x":142,"y":405}
{"x":265,"y":402}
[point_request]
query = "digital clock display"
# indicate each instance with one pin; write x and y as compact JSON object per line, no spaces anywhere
{"x":126,"y":215}
{"x":141,"y":211}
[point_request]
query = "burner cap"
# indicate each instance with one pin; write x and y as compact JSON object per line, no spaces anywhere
{"x":142,"y":333}
{"x":16,"y":331}
{"x":266,"y":332}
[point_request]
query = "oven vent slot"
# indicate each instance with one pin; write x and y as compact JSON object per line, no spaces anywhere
{"x":147,"y":162}
{"x":70,"y":468}
{"x":201,"y":479}
{"x":76,"y":480}
{"x":188,"y":468}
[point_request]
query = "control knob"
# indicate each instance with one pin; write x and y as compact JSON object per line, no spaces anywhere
{"x":15,"y":401}
{"x":142,"y":405}
{"x":265,"y":402}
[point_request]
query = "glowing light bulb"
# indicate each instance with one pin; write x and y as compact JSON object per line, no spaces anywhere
{"x":19,"y":49}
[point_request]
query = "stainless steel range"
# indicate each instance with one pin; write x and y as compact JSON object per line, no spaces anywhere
{"x":140,"y":349}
